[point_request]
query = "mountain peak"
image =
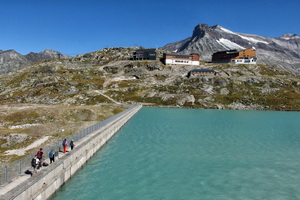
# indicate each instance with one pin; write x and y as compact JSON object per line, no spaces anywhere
{"x":288,"y":36}
{"x":201,"y":29}
{"x":10,"y":60}
{"x":9,"y":51}
{"x":202,"y":26}
{"x":50,"y":51}
{"x":45,"y":55}
{"x":216,"y":27}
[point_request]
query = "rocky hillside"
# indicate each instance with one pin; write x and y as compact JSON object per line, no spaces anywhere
{"x":107,"y":76}
{"x":69,"y":94}
{"x":11,"y":61}
{"x":283,"y":52}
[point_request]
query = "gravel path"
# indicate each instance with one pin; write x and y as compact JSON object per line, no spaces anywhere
{"x":22,"y":151}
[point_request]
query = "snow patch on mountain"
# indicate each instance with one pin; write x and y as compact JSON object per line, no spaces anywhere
{"x":242,"y":36}
{"x":228,"y":44}
{"x":226,"y":30}
{"x":252,"y":39}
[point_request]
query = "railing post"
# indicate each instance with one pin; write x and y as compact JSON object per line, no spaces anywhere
{"x":20,"y":166}
{"x":5,"y":174}
{"x":58,"y":149}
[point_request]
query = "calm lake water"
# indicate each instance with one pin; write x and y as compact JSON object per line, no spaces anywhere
{"x":170,"y":154}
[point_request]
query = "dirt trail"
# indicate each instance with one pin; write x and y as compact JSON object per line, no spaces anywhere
{"x":22,"y":151}
{"x":101,"y":93}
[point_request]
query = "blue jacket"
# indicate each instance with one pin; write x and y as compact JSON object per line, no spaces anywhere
{"x":51,"y":154}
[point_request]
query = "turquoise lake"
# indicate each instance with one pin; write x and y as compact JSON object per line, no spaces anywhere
{"x":192,"y":154}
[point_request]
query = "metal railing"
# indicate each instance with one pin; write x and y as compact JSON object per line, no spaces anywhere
{"x":13,"y":170}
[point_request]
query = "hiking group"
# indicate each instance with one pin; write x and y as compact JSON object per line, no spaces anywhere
{"x":38,"y":161}
{"x":66,"y":144}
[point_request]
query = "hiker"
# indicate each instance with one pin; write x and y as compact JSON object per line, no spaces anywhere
{"x":65,"y":144}
{"x":72,"y":144}
{"x":39,"y":155}
{"x":34,"y":163}
{"x":51,"y":155}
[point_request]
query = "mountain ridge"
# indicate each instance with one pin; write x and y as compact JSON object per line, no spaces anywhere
{"x":11,"y":60}
{"x":283,"y":51}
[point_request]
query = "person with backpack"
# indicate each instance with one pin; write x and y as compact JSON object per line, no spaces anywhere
{"x":65,"y":144}
{"x":51,"y":155}
{"x":34,"y":163}
{"x":40,"y":153}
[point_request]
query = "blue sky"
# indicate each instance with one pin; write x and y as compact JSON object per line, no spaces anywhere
{"x":81,"y":26}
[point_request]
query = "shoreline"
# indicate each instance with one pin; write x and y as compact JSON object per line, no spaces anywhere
{"x":170,"y":106}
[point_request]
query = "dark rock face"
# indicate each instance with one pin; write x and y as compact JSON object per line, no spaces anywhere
{"x":48,"y":54}
{"x":284,"y":51}
{"x":11,"y":61}
{"x":111,"y":69}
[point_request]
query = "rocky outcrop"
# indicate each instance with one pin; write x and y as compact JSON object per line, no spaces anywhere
{"x":13,"y":139}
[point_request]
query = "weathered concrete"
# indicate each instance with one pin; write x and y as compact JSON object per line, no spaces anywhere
{"x":48,"y":181}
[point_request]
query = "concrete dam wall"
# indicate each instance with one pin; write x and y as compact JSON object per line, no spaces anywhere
{"x":44,"y":185}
